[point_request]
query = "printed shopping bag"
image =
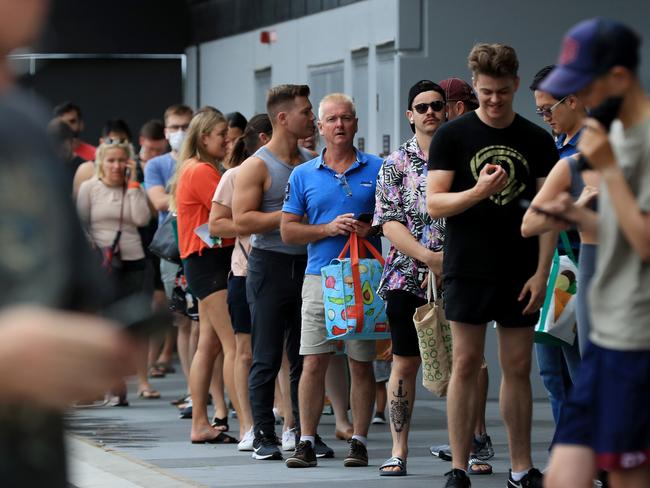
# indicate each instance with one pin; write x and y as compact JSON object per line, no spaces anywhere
{"x":557,"y":320}
{"x":434,"y":339}
{"x":353,"y":310}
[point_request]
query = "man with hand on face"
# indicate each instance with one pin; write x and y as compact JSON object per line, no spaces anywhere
{"x":480,"y":166}
{"x":331,"y":191}
{"x":70,"y":113}
{"x":605,"y":423}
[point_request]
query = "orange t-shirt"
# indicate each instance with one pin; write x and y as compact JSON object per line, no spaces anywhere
{"x":196,"y":186}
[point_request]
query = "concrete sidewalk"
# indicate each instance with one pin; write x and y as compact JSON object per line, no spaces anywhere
{"x":147,"y":445}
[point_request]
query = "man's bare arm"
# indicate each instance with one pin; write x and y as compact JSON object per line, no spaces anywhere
{"x":247,"y":199}
{"x":159,"y":198}
{"x":443,"y":203}
{"x":296,"y":232}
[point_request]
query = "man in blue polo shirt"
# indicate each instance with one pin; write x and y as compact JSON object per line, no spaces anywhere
{"x":324,"y":201}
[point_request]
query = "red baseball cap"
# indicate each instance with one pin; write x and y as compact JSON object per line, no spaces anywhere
{"x":458,"y":90}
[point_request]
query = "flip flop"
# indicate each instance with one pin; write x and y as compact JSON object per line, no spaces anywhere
{"x":477,"y":463}
{"x":393,"y":462}
{"x":222,"y":438}
{"x":149,"y":394}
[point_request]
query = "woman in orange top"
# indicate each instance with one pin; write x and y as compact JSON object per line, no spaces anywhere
{"x":206,"y":266}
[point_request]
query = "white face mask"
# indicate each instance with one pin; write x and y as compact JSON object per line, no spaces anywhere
{"x":176,"y":140}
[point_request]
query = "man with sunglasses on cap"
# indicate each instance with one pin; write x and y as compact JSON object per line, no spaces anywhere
{"x":605,"y":423}
{"x":416,"y":245}
{"x":481,"y":166}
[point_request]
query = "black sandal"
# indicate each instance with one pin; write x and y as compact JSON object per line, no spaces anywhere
{"x":220,"y":439}
{"x":217,"y":423}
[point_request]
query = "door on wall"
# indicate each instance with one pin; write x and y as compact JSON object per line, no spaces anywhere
{"x":360,"y":95}
{"x":324,"y":79}
{"x":262,"y":85}
{"x":385,"y":100}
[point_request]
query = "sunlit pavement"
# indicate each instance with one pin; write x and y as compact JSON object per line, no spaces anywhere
{"x":147,"y":445}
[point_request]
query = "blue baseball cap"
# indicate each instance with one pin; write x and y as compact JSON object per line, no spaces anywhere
{"x":590,"y":49}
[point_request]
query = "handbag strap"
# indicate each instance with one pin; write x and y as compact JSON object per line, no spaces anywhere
{"x":119,"y":228}
{"x":567,"y":247}
{"x":432,"y":289}
{"x":356,"y":281}
{"x":550,"y":290}
{"x":362,"y":243}
{"x":241,"y":246}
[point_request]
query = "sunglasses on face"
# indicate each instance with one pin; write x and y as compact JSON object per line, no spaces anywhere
{"x":548,"y":112}
{"x":423,"y":108}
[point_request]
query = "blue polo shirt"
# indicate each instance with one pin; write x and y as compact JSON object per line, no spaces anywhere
{"x":315,"y":190}
{"x":157,"y":172}
{"x":570,"y":148}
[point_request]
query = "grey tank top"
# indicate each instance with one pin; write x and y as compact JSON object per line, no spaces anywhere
{"x":273,"y":199}
{"x":577,"y":183}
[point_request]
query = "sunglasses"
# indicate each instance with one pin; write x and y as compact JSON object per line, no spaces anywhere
{"x":548,"y":112}
{"x":423,"y":108}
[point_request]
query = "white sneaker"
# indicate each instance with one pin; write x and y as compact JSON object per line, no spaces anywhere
{"x":289,"y":440}
{"x":246,"y":443}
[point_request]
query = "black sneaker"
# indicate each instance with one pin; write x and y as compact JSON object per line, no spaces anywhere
{"x":357,"y":455}
{"x":303,"y":457}
{"x":322,"y":450}
{"x":534,"y":479}
{"x":457,"y":478}
{"x":265,"y":446}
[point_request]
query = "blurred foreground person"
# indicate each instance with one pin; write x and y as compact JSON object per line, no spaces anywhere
{"x":606,"y":421}
{"x":45,"y":265}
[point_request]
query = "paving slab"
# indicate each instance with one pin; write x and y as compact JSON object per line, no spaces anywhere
{"x":146,"y":444}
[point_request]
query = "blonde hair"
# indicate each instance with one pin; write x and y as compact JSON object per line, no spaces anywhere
{"x":104,"y":147}
{"x":203,"y":122}
{"x":339,"y":98}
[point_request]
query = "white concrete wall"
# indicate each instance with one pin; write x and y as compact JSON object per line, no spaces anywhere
{"x":227,"y":65}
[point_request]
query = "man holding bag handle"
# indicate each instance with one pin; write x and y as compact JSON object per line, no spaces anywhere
{"x":324,"y":199}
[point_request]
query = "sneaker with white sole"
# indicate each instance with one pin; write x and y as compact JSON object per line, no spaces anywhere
{"x":533,"y":479}
{"x":322,"y":450}
{"x":246,"y":443}
{"x":265,"y":446}
{"x":289,"y":439}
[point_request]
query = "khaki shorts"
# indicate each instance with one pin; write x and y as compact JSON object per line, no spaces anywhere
{"x":313,"y":337}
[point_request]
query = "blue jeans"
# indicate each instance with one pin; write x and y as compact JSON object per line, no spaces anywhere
{"x":558,"y":367}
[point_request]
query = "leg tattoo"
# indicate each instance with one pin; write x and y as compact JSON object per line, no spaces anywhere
{"x":399,"y":409}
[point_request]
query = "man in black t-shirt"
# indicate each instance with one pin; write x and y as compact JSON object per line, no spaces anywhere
{"x":481,"y":167}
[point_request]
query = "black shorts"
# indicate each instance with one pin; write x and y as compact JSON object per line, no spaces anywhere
{"x":476,"y":301}
{"x":240,"y":314}
{"x":157,"y":279}
{"x":400,"y":307}
{"x":208,"y":273}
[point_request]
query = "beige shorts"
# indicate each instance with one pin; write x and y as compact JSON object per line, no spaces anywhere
{"x":313,"y":337}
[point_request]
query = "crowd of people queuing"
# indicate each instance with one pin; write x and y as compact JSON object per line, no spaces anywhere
{"x":257,"y":213}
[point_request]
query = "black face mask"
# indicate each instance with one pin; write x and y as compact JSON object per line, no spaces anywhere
{"x":605,"y":113}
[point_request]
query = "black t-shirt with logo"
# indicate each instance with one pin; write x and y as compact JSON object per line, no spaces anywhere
{"x":485,"y":240}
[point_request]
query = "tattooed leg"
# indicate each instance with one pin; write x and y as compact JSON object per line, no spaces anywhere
{"x":399,"y":409}
{"x":401,"y":391}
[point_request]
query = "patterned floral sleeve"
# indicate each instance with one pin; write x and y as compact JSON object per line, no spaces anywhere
{"x":388,"y":196}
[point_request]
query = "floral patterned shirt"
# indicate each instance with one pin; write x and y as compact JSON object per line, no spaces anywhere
{"x":401,"y":197}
